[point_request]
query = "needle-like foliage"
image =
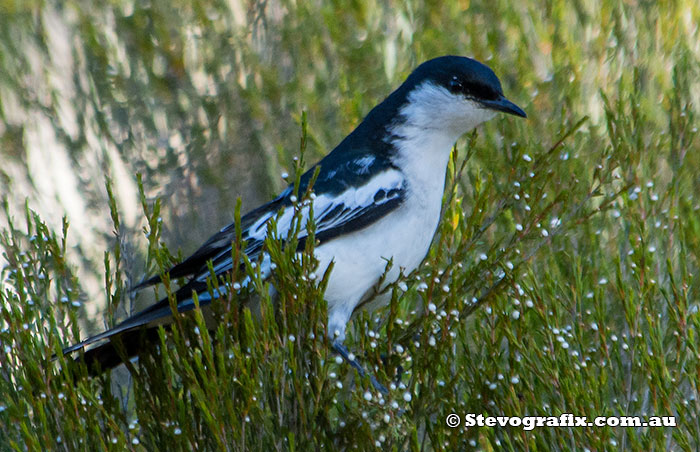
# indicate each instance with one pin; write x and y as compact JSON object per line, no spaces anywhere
{"x":563,"y":277}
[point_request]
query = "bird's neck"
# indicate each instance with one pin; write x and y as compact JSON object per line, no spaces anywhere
{"x":422,"y":155}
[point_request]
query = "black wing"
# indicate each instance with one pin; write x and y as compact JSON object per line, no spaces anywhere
{"x":344,"y":209}
{"x":349,"y":195}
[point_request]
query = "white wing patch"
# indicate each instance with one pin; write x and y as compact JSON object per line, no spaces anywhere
{"x":330,"y":211}
{"x":364,"y":163}
{"x":333,"y":210}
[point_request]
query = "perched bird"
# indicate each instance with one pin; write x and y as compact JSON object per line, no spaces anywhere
{"x":378,"y":197}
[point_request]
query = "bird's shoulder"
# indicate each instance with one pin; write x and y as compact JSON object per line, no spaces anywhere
{"x":348,"y":167}
{"x":354,"y":188}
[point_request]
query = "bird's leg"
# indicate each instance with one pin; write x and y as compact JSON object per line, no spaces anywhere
{"x":340,"y":349}
{"x":398,"y":371}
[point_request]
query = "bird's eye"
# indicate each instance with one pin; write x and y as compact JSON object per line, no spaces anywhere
{"x":456,"y":86}
{"x":482,"y":92}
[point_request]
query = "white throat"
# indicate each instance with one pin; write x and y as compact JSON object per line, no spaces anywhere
{"x":433,"y":108}
{"x":432,"y":121}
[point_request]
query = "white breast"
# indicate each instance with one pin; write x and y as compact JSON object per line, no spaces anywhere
{"x":431,"y":121}
{"x":403,"y":235}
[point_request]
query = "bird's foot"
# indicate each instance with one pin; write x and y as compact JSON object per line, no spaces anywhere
{"x":398,"y":370}
{"x":340,"y":349}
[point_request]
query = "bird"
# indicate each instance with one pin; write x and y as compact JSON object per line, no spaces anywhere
{"x":377,"y":197}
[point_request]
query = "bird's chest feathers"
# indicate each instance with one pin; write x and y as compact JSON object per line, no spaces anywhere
{"x":422,"y":158}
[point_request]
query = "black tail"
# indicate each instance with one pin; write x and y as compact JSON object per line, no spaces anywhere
{"x":130,"y":337}
{"x":119,"y":348}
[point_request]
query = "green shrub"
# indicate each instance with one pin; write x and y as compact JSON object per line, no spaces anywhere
{"x":563,"y":278}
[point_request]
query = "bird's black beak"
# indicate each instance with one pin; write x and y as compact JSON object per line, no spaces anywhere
{"x":504,"y":105}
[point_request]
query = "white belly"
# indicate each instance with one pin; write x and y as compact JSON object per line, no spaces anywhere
{"x":360,"y":258}
{"x":403,"y":235}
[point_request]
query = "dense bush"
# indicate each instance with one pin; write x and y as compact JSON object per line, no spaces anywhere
{"x":563,"y":279}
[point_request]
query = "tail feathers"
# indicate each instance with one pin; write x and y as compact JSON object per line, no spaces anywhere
{"x":98,"y":337}
{"x":158,"y":314}
{"x":125,"y":345}
{"x":147,"y":318}
{"x":130,"y":333}
{"x":131,"y":336}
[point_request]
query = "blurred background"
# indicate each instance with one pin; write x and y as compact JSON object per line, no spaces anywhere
{"x":204,"y":100}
